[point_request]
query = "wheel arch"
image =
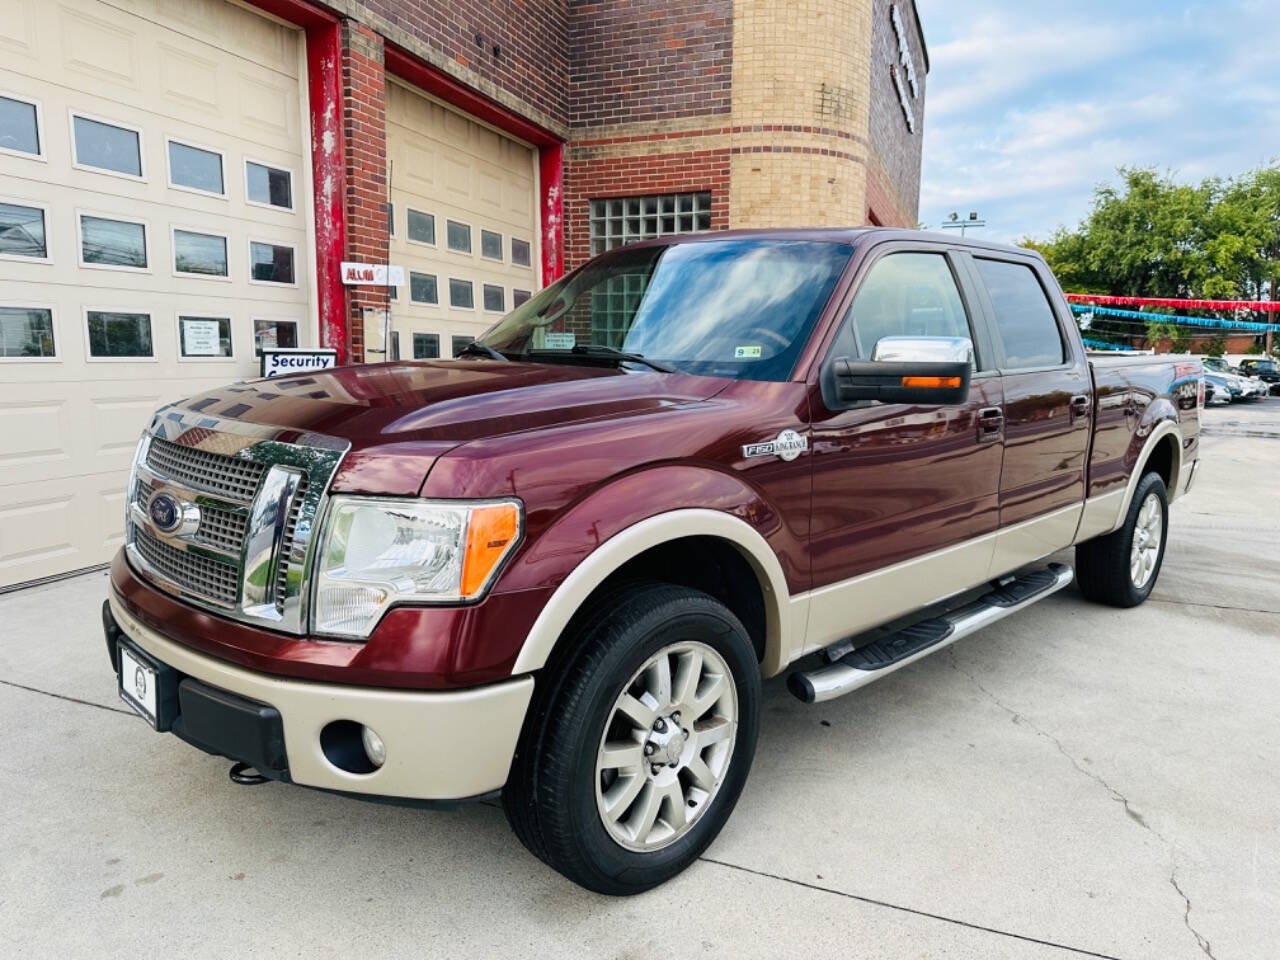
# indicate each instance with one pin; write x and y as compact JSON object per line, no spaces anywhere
{"x":1161,"y":449}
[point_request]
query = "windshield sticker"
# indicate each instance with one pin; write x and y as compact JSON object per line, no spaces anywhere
{"x":559,"y":341}
{"x":747,"y":353}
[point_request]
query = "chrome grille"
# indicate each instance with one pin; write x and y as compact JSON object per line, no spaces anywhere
{"x":211,"y":472}
{"x":223,"y":529}
{"x":216,"y":581}
{"x":287,"y":562}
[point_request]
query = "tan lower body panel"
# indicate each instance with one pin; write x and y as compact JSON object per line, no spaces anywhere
{"x":440,"y":746}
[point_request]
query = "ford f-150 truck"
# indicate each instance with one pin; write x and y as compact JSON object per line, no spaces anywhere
{"x":560,"y":566}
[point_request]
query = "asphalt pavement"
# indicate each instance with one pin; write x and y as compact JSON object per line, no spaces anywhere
{"x":1074,"y":781}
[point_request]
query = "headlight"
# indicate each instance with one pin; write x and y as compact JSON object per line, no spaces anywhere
{"x":380,"y":552}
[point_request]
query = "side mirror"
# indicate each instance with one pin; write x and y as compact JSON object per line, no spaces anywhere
{"x":919,"y":370}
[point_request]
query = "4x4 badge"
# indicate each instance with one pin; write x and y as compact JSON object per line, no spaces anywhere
{"x":788,"y":446}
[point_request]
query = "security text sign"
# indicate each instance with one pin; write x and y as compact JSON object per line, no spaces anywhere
{"x":278,"y":361}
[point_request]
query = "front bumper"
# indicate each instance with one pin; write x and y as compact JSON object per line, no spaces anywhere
{"x":439,"y":746}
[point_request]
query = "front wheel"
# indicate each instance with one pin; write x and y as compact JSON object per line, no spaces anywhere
{"x":633,"y":766}
{"x":1121,"y":568}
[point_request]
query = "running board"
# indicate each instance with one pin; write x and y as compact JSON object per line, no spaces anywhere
{"x":886,"y":654}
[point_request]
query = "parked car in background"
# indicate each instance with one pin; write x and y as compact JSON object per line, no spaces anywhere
{"x":1264,"y":369}
{"x":1217,"y":391}
{"x":560,"y":566}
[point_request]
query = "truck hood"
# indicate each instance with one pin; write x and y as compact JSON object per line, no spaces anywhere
{"x":400,"y":417}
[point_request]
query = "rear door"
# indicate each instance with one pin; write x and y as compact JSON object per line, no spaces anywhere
{"x":904,"y":497}
{"x":1047,"y":408}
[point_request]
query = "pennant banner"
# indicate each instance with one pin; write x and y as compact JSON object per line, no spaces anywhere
{"x":1258,"y":306}
{"x":1177,"y":320}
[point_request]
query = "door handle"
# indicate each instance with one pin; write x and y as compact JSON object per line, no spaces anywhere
{"x":990,"y":424}
{"x":1080,"y":406}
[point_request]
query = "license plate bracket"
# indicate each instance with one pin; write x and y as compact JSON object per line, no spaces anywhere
{"x":147,"y":686}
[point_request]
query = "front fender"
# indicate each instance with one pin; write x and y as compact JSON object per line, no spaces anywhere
{"x":635,"y":513}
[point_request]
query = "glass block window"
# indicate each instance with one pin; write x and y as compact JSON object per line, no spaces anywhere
{"x":426,"y":346}
{"x":627,"y":219}
{"x":495,"y":298}
{"x":26,"y":332}
{"x":422,"y":287}
{"x":613,"y":307}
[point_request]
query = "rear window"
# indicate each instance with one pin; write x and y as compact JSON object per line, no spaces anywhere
{"x":1025,"y":323}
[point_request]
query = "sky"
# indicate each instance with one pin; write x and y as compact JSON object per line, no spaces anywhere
{"x":1031,"y":104}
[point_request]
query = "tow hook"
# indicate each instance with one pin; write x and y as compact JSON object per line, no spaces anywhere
{"x":239,"y":773}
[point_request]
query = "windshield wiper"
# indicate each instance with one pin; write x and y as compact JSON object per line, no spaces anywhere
{"x":476,"y":348}
{"x":600,"y":350}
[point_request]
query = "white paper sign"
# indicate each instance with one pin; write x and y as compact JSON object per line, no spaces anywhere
{"x":371,"y":274}
{"x":200,"y":338}
{"x":559,"y":341}
{"x":278,"y":361}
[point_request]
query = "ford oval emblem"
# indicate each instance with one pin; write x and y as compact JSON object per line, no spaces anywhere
{"x":165,"y":512}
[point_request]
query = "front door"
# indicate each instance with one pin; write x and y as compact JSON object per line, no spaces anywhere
{"x":904,"y":497}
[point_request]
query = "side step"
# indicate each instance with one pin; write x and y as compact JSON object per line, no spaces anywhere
{"x":886,"y":654}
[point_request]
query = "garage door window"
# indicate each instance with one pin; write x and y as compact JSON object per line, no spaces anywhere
{"x":271,"y":263}
{"x":20,"y":127}
{"x":520,"y":252}
{"x":195,"y":168}
{"x":22,"y":234}
{"x":461,"y":343}
{"x":422,"y":227}
{"x":113,"y":244}
{"x":458,"y":236}
{"x":26,"y":333}
{"x":115,"y":335}
{"x":204,"y":336}
{"x":490,"y":245}
{"x":461,"y":294}
{"x":199,"y":254}
{"x":495,"y":298}
{"x":422,"y":288}
{"x":275,"y":333}
{"x":518,"y":297}
{"x":268,"y":186}
{"x":107,"y":147}
{"x":1025,"y":322}
{"x":426,"y":346}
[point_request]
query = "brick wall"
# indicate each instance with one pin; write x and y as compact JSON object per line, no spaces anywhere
{"x":364,"y":104}
{"x":640,"y":60}
{"x":893,"y":187}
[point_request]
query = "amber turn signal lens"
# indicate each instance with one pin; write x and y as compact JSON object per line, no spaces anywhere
{"x":490,"y":534}
{"x":933,"y":383}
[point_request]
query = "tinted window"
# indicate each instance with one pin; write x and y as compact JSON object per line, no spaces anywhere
{"x":422,"y":288}
{"x":199,"y":253}
{"x":1025,"y":322}
{"x":490,"y":245}
{"x":195,"y":168}
{"x":26,"y":332}
{"x":494,"y":298}
{"x":426,"y":346}
{"x":269,"y":185}
{"x":107,"y":147}
{"x":907,"y":295}
{"x":458,"y":236}
{"x":459,"y":343}
{"x":113,"y":243}
{"x":22,"y":231}
{"x":422,"y":227}
{"x":461,"y":294}
{"x":119,"y":334}
{"x":520,"y":252}
{"x":204,"y":336}
{"x":271,"y":263}
{"x":18,"y":128}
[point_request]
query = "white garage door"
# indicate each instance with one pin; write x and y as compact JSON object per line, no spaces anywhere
{"x":154,"y":200}
{"x":463,"y":223}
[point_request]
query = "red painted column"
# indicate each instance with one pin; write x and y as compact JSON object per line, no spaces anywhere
{"x":551,"y":207}
{"x":324,"y":86}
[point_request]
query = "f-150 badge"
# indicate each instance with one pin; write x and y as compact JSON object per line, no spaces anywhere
{"x":788,"y":446}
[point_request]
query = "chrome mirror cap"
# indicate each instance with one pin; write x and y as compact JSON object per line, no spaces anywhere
{"x":923,"y":350}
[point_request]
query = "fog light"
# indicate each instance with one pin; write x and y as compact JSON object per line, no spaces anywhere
{"x":374,"y":748}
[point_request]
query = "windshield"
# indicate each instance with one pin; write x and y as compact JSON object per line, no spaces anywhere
{"x":1216,"y":363}
{"x":724,"y":308}
{"x":1263,"y":366}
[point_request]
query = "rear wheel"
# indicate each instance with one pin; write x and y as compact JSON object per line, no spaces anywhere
{"x":635,"y":761}
{"x":1121,"y":568}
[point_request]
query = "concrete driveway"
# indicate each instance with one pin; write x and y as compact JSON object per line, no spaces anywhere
{"x":1074,"y":781}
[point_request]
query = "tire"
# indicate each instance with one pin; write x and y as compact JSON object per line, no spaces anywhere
{"x":575,"y":804}
{"x":1108,"y":569}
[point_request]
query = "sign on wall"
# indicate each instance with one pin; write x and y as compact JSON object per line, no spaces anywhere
{"x":371,"y":274}
{"x":278,"y":361}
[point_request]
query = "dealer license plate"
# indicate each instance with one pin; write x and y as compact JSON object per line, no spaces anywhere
{"x":139,"y":684}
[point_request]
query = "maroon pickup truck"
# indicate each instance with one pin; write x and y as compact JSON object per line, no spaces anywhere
{"x":560,"y":566}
